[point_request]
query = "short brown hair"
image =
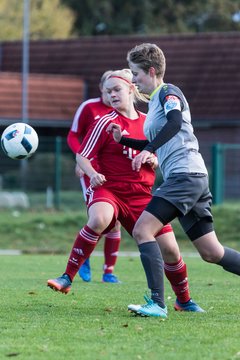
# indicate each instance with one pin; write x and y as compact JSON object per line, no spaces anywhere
{"x":148,"y":55}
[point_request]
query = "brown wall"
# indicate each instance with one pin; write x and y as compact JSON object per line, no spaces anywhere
{"x":205,"y":66}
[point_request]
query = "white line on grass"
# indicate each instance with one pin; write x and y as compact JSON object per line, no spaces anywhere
{"x":100,"y":253}
{"x":10,"y":252}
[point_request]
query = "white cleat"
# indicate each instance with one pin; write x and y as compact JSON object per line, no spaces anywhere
{"x":133,"y":308}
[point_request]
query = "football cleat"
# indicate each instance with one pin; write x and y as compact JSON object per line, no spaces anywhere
{"x":62,"y":284}
{"x":133,"y":308}
{"x":188,"y":306}
{"x":110,"y":278}
{"x":149,"y":309}
{"x":85,"y":271}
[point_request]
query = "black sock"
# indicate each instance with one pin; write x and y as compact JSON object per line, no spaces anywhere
{"x":152,"y":262}
{"x":230,"y":261}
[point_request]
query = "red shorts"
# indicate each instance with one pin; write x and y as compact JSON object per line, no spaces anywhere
{"x":128,"y":201}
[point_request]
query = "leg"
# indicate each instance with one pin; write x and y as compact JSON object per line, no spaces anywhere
{"x":212,"y":251}
{"x":100,"y":216}
{"x":152,"y":262}
{"x":85,"y":270}
{"x":209,"y":247}
{"x":175,"y":268}
{"x":146,"y":227}
{"x":111,"y":247}
{"x":160,"y":212}
{"x":176,"y":273}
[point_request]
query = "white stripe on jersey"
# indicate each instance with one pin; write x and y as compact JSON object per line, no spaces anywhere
{"x":84,"y":188}
{"x":74,"y":126}
{"x":90,"y":193}
{"x":97,"y":130}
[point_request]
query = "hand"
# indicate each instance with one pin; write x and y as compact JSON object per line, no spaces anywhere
{"x":140,"y":159}
{"x":116,"y":131}
{"x":97,"y":179}
{"x":152,"y":161}
{"x":78,"y":171}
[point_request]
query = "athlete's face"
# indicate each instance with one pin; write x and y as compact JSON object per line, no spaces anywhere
{"x":144,"y":81}
{"x":118,"y":93}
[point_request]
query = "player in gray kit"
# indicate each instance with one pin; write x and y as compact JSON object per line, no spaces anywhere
{"x":184,"y":193}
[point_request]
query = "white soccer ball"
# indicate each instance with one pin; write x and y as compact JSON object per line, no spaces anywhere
{"x":19,"y":141}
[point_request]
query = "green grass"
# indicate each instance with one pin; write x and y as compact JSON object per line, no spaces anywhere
{"x":91,"y":322}
{"x":54,"y":231}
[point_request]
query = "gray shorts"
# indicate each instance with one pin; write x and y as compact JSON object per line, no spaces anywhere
{"x":190,"y":195}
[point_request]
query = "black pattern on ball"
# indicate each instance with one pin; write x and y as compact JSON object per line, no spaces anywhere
{"x":26,"y":144}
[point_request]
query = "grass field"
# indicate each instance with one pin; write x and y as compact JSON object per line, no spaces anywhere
{"x":92,"y":322}
{"x":41,"y":231}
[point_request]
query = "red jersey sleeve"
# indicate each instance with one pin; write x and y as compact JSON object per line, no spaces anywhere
{"x":82,"y":120}
{"x":96,"y":137}
{"x":73,"y":141}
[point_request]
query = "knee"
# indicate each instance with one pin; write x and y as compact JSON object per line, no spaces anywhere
{"x":117,"y":226}
{"x":210,"y":257}
{"x":170,"y":255}
{"x":137,"y":234}
{"x":98,"y":224}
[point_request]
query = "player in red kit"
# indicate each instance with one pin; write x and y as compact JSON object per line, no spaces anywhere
{"x":118,"y":192}
{"x":88,"y":112}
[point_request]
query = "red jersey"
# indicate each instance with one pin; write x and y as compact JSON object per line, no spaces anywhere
{"x":115,"y":160}
{"x":87,"y":113}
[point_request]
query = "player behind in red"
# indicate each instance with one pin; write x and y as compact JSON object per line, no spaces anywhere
{"x":118,"y":192}
{"x":88,"y":112}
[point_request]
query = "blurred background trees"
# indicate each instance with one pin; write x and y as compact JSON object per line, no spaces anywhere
{"x":60,"y":19}
{"x":154,"y":16}
{"x":49,"y":19}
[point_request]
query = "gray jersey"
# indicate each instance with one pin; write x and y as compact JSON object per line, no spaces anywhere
{"x":181,"y":153}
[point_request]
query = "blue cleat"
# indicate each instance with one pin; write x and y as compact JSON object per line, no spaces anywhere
{"x":62,"y":284}
{"x":85,"y":271}
{"x":188,"y":306}
{"x":110,"y":278}
{"x":149,"y":309}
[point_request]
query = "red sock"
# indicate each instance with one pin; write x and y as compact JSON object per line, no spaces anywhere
{"x":83,"y":246}
{"x":177,"y":276}
{"x":111,"y":247}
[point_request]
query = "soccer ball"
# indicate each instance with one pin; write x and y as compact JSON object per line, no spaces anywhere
{"x":19,"y":141}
